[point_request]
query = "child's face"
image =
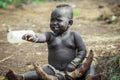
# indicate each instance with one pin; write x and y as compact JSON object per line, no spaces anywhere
{"x":59,"y":21}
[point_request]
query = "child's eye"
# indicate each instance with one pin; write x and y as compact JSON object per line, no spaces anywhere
{"x":59,"y":20}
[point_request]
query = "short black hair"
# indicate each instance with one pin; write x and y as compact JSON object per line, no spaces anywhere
{"x":62,"y":5}
{"x":68,"y":8}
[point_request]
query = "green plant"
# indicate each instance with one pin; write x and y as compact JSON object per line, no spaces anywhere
{"x":113,"y":68}
{"x":3,"y":4}
{"x":76,"y":12}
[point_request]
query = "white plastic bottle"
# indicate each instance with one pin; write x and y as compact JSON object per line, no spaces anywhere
{"x":16,"y":36}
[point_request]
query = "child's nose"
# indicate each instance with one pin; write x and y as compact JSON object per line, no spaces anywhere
{"x":55,"y":22}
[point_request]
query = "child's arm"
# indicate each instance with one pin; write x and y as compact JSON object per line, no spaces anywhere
{"x":37,"y":38}
{"x":81,"y":51}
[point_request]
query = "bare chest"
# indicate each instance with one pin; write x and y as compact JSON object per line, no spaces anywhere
{"x":65,"y":41}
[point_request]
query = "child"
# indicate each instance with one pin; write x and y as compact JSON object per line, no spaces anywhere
{"x":66,"y":49}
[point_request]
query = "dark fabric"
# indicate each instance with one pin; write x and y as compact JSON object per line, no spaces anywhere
{"x":31,"y":75}
{"x":49,"y":69}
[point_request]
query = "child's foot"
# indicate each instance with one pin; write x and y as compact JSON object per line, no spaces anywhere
{"x":11,"y":75}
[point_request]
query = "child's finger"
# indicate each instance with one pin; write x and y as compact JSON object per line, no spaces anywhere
{"x":30,"y":38}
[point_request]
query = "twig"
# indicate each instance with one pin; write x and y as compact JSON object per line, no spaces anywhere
{"x":4,"y":59}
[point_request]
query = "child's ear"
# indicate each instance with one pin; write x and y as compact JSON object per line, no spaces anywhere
{"x":70,"y":22}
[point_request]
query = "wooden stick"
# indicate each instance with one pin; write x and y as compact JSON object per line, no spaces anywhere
{"x":4,"y":59}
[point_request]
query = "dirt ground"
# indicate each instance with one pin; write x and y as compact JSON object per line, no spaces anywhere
{"x":103,"y":38}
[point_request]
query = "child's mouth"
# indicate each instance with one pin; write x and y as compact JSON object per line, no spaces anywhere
{"x":56,"y":28}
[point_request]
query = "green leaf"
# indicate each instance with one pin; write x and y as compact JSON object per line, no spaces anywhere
{"x":19,"y":1}
{"x":3,"y":4}
{"x":9,"y":1}
{"x":76,"y":12}
{"x":36,"y":1}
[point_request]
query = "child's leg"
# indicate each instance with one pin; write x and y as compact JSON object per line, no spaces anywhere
{"x":49,"y":69}
{"x":32,"y":75}
{"x":54,"y":75}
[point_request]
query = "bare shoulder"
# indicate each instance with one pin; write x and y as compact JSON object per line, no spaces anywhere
{"x":48,"y":33}
{"x":75,"y":33}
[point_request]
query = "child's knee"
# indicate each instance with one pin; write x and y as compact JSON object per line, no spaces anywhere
{"x":50,"y":69}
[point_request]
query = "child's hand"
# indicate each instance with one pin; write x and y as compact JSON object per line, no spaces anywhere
{"x":29,"y":37}
{"x":70,"y":67}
